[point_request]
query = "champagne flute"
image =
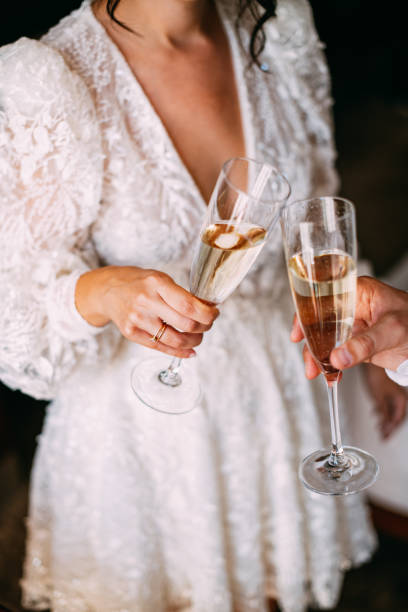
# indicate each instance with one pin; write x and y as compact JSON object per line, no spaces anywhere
{"x":321,"y":247}
{"x":244,"y":206}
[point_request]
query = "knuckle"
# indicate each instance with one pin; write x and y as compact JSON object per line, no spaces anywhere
{"x":178,"y":342}
{"x":215,"y":314}
{"x":198,"y":339}
{"x":366,"y":344}
{"x":140,"y":299}
{"x":209,"y":316}
{"x":134,"y":317}
{"x":191,"y":326}
{"x":395,"y":323}
{"x":207,"y":320}
{"x":127,"y":330}
{"x":154,"y":278}
{"x":187,"y":308}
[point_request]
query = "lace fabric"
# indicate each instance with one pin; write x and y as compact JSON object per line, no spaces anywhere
{"x":130,"y":510}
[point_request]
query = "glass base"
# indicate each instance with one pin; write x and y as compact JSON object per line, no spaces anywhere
{"x":147,"y":383}
{"x":358,"y":472}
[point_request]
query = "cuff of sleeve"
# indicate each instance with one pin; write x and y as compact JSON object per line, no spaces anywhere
{"x":400,"y":376}
{"x":63,"y":314}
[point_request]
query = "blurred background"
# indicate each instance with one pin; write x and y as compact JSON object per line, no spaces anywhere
{"x":367,"y":52}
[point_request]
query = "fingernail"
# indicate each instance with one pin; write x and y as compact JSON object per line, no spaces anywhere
{"x":344,"y":357}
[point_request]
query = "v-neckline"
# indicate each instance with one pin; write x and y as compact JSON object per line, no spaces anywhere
{"x":242,"y":94}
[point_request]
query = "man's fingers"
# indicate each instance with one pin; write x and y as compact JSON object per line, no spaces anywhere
{"x":312,"y":370}
{"x":393,"y":413}
{"x":386,"y":334}
{"x":296,"y":334}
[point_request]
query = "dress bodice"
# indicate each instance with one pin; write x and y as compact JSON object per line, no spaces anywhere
{"x":151,"y":209}
{"x":91,"y":176}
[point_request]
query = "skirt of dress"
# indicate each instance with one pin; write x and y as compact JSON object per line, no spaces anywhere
{"x":136,"y":511}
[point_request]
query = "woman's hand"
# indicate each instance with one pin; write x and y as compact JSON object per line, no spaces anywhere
{"x":138,"y":301}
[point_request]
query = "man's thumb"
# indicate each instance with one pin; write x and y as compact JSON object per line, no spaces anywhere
{"x":386,"y":334}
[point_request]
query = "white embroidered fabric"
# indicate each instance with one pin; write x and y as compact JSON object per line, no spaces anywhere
{"x":132,"y":510}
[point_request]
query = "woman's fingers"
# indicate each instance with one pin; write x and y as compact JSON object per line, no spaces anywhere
{"x":138,"y":301}
{"x":177,"y":320}
{"x":151,"y":324}
{"x":145,"y":339}
{"x":172,"y":337}
{"x":186,"y":304}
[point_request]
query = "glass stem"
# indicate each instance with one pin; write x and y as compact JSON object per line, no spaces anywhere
{"x":336,"y":458}
{"x":171,"y":376}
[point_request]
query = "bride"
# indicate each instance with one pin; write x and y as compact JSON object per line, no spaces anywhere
{"x":113,"y":129}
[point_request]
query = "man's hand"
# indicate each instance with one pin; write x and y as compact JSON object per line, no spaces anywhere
{"x":380,"y":337}
{"x":380,"y":333}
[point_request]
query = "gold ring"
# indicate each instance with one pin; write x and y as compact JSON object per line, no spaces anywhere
{"x":159,"y":332}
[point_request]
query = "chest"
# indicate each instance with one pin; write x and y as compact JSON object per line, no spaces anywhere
{"x":196,"y":98}
{"x":162,"y":160}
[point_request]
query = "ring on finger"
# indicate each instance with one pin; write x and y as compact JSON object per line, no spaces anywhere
{"x":159,"y":333}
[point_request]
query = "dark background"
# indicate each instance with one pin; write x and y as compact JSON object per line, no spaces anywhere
{"x":367,"y":52}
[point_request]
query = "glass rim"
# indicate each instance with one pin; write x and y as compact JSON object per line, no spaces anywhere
{"x":276,"y":171}
{"x":351,"y":206}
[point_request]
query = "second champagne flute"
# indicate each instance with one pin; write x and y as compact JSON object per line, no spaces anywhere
{"x":321,"y":248}
{"x":244,"y":206}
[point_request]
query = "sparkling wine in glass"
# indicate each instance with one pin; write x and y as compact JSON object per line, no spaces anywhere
{"x":320,"y":244}
{"x":244,"y":206}
{"x":224,"y":255}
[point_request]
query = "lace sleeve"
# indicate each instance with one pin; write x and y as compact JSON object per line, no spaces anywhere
{"x":50,"y":183}
{"x":294,"y":36}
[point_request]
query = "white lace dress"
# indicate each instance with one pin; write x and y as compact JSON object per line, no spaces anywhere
{"x":132,"y":510}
